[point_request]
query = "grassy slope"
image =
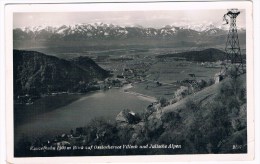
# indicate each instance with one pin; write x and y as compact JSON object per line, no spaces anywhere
{"x":189,"y":117}
{"x":203,"y":97}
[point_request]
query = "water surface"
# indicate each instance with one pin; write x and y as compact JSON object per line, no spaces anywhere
{"x":105,"y":104}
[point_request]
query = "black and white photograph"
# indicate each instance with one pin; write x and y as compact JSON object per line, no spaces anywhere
{"x":131,"y":82}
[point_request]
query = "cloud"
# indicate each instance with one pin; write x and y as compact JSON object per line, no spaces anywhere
{"x":155,"y":19}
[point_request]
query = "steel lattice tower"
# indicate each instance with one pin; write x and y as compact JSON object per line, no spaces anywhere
{"x":234,"y":57}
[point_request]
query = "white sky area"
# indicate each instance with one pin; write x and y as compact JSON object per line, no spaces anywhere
{"x":155,"y":19}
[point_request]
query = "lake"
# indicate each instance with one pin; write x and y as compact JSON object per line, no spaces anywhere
{"x":78,"y":113}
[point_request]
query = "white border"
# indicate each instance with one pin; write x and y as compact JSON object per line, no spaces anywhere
{"x":131,"y":6}
{"x":2,"y":88}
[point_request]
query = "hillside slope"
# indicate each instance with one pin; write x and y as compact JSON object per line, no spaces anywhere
{"x":207,"y":55}
{"x":89,"y":66}
{"x":37,"y":73}
{"x":205,"y":96}
{"x":209,"y":121}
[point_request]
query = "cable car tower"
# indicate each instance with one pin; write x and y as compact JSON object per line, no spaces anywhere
{"x":233,"y":53}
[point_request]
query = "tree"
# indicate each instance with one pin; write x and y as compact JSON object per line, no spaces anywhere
{"x":218,"y":126}
{"x":163,"y":101}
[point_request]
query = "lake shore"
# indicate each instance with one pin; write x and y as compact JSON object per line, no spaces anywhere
{"x":78,"y":111}
{"x":142,"y":96}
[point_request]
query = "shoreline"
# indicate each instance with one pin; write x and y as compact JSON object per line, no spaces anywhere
{"x":146,"y":97}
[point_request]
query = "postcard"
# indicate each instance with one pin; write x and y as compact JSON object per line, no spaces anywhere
{"x":155,"y":81}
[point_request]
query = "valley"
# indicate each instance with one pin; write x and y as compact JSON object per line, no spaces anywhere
{"x":99,"y":84}
{"x":139,"y":77}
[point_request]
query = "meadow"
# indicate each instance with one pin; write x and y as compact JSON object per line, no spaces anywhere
{"x":162,"y":78}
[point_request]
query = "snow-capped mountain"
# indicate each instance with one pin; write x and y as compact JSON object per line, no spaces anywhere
{"x":199,"y":27}
{"x":102,"y":31}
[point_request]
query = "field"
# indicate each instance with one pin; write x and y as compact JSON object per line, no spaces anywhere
{"x":152,"y":76}
{"x":171,"y":71}
{"x":161,"y":79}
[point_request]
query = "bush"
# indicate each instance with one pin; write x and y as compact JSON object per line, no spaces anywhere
{"x":163,"y":101}
{"x":233,"y":72}
{"x":100,"y":131}
{"x":153,"y":128}
{"x":233,"y":93}
{"x":210,"y":82}
{"x":182,"y":92}
{"x":125,"y":134}
{"x":191,"y":105}
{"x":202,"y":84}
{"x":173,"y":117}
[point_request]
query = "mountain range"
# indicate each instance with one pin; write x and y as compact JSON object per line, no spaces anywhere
{"x":111,"y":31}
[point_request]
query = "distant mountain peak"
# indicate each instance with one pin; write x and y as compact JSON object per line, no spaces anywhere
{"x":199,"y":27}
{"x":100,"y":30}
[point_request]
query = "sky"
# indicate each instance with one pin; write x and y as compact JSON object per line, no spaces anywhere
{"x":155,"y":19}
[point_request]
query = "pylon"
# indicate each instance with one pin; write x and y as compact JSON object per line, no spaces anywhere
{"x":233,"y":53}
